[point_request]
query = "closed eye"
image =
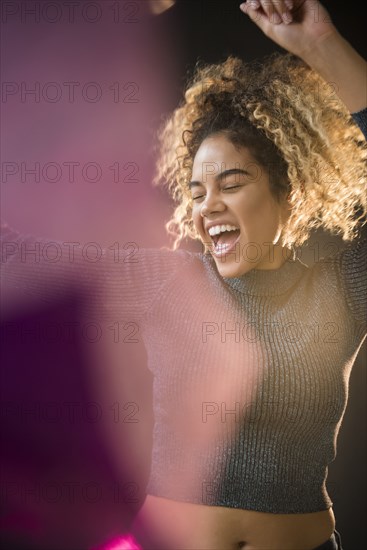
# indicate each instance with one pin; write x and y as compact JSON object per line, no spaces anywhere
{"x":232,"y":187}
{"x":224,"y":189}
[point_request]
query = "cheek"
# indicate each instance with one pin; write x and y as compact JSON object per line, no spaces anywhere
{"x":197,"y":219}
{"x":255,"y":207}
{"x":195,"y":215}
{"x":259,"y":213}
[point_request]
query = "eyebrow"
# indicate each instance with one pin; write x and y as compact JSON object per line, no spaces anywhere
{"x":220,"y":176}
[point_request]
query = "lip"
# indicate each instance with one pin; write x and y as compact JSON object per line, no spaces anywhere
{"x":221,"y":254}
{"x":225,"y":250}
{"x":218,"y":222}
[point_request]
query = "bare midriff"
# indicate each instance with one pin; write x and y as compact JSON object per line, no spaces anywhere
{"x":164,"y":524}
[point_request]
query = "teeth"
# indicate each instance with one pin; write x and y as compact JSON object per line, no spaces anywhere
{"x":216,"y":229}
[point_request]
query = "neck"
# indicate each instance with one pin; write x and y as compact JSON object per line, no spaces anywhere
{"x":277,"y":256}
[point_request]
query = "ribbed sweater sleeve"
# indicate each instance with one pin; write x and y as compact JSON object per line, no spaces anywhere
{"x":351,"y":263}
{"x":351,"y":268}
{"x":113,"y":283}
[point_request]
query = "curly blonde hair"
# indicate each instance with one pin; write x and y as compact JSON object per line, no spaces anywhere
{"x":291,"y":120}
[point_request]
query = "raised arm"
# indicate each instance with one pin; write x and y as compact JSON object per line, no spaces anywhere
{"x":121,"y":282}
{"x":305,"y":29}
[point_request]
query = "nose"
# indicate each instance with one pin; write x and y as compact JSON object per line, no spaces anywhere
{"x":211,"y":204}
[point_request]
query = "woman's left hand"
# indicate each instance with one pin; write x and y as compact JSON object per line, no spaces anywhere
{"x":298,"y":26}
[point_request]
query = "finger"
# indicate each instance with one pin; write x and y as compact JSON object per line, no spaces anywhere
{"x":251,"y":8}
{"x":256,"y":14}
{"x":271,"y":12}
{"x":283,"y":8}
{"x":256,"y":10}
{"x":250,"y":5}
{"x":156,"y":7}
{"x":278,"y":11}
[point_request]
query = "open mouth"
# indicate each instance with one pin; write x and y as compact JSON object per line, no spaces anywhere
{"x":224,"y":241}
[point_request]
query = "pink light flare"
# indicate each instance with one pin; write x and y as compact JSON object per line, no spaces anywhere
{"x":124,"y":542}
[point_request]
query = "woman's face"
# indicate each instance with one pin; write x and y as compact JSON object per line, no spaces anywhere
{"x":230,"y":188}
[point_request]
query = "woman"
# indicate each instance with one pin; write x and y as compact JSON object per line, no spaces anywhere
{"x":248,"y":221}
{"x":251,"y":350}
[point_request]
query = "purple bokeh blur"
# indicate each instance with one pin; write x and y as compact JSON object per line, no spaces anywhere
{"x":99,"y":88}
{"x":77,"y":165}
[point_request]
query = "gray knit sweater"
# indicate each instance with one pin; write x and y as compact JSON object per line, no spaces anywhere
{"x":250,"y":373}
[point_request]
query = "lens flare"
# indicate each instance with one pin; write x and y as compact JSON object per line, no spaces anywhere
{"x":124,"y":542}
